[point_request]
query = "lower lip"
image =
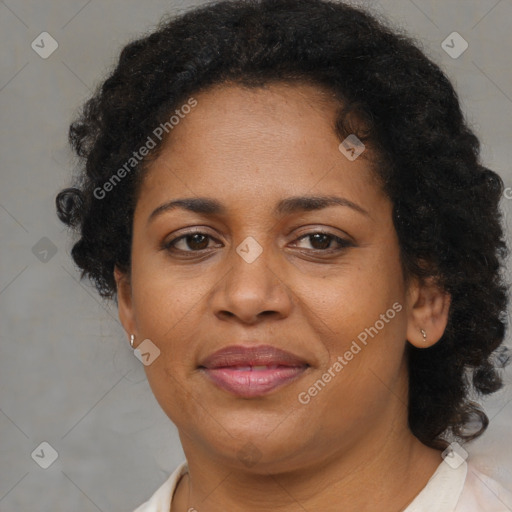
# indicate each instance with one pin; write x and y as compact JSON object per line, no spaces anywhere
{"x":253,"y":383}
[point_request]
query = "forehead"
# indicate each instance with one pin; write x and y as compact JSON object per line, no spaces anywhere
{"x":274,"y":114}
{"x":254,"y":142}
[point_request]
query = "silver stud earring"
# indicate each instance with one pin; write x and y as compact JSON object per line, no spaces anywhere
{"x":132,"y":339}
{"x":424,"y":334}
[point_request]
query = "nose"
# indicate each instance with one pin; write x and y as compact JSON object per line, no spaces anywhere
{"x":252,"y":291}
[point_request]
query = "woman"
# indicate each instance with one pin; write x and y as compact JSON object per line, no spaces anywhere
{"x":288,"y":207}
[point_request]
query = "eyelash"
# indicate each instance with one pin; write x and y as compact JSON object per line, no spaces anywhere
{"x":169,"y":245}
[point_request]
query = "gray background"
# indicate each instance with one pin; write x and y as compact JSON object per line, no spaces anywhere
{"x":68,"y":375}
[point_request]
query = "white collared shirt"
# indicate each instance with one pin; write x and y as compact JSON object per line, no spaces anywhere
{"x":464,"y":489}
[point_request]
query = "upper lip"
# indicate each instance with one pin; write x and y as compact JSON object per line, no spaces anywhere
{"x":239,"y":355}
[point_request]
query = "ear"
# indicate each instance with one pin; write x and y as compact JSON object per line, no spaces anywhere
{"x":428,"y":308}
{"x":124,"y":301}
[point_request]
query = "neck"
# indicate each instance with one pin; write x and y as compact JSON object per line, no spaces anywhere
{"x":390,"y":471}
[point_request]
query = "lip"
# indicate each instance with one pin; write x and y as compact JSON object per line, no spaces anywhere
{"x":251,"y":384}
{"x":232,"y":369}
{"x":239,"y":355}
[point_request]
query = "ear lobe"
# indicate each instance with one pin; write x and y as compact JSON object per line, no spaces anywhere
{"x":428,"y":313}
{"x":124,"y":300}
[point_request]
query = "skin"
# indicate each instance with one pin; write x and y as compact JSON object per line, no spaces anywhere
{"x":349,"y":448}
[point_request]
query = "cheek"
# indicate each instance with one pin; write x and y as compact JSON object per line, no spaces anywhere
{"x":167,"y":311}
{"x":165,"y":299}
{"x":364,"y":367}
{"x":355,"y":297}
{"x":361,"y":315}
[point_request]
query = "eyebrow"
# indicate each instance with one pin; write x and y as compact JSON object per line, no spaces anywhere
{"x":207,"y":206}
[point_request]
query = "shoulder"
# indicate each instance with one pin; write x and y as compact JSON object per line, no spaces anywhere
{"x":482,"y":493}
{"x":461,"y":488}
{"x":160,"y":501}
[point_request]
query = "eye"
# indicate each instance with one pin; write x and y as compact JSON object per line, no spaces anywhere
{"x":322,"y":241}
{"x":196,"y":241}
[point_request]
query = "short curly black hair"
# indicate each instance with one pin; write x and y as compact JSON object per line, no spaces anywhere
{"x":445,"y":202}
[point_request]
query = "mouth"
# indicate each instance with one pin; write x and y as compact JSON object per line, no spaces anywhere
{"x":250,"y":372}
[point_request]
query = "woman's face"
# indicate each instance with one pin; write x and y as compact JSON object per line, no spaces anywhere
{"x":256,"y":278}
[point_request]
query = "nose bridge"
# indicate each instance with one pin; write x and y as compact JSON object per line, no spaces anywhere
{"x":253,"y":285}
